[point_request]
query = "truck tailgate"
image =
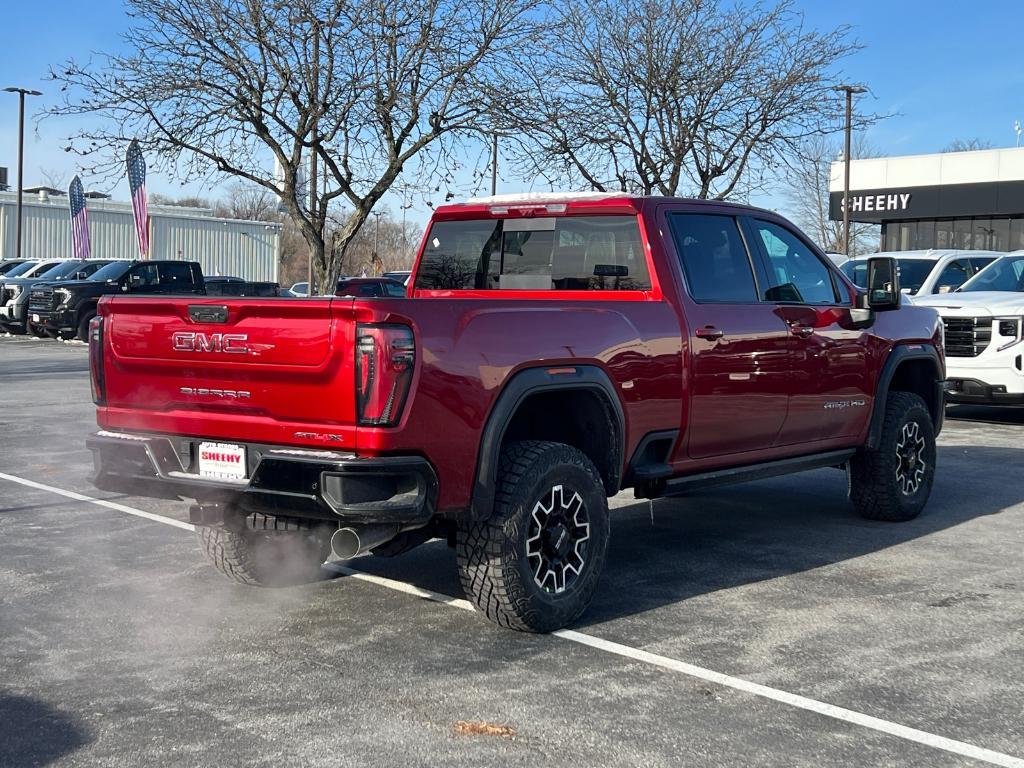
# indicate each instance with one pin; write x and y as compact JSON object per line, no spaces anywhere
{"x":271,"y":370}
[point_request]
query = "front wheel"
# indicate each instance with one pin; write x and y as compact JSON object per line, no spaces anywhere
{"x":893,"y":480}
{"x":534,"y":564}
{"x":83,"y":326}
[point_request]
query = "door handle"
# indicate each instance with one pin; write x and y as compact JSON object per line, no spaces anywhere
{"x":709,"y":332}
{"x":803,"y":331}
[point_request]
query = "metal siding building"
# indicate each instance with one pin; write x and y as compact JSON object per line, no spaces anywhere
{"x":247,"y":249}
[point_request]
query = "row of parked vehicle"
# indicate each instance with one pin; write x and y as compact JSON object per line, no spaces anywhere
{"x":58,"y":298}
{"x":980,"y":297}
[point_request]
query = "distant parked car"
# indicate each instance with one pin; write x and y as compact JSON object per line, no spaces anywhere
{"x":401,"y":275}
{"x":30,"y":268}
{"x":236,"y":286}
{"x":370,"y":286}
{"x":8,"y":264}
{"x":923,"y":273}
{"x":15,"y":293}
{"x":299,"y":289}
{"x":67,"y":310}
{"x":837,"y":258}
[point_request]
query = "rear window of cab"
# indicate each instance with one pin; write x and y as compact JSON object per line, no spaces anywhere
{"x":570,"y":253}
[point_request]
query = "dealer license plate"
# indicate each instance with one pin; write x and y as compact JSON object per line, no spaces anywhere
{"x":35,"y":318}
{"x":222,"y":461}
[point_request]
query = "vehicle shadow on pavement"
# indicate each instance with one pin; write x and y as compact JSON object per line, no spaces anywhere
{"x":32,"y":733}
{"x":719,"y":539}
{"x":1000,"y":414}
{"x":728,"y":537}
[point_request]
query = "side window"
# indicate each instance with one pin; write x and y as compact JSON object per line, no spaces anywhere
{"x":368,"y":289}
{"x":144,"y":276}
{"x":175,"y":274}
{"x":795,"y":273}
{"x":395,"y":291}
{"x":978,"y":264}
{"x":953,"y":276}
{"x":714,"y":258}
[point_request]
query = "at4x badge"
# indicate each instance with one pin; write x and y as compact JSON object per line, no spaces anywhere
{"x":322,"y":436}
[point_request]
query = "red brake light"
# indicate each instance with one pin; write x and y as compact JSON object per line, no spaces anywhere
{"x":96,"y":377}
{"x":385,"y":358}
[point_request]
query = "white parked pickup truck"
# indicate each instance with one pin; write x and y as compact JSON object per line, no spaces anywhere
{"x":923,"y":273}
{"x":984,"y":327}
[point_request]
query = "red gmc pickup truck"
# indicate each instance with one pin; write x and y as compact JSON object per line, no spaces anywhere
{"x":551,"y":351}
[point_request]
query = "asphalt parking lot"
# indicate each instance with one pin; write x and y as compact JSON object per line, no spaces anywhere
{"x":123,"y":648}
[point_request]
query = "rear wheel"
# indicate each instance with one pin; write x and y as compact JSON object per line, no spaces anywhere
{"x":266,"y":558}
{"x":534,"y":564}
{"x":893,"y":480}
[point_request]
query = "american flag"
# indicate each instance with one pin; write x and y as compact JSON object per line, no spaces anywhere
{"x":80,"y":246}
{"x":137,"y":185}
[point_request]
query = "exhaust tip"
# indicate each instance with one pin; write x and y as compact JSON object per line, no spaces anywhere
{"x":345,"y":543}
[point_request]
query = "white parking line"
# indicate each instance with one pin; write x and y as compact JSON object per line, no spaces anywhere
{"x":635,"y":654}
{"x":99,"y":502}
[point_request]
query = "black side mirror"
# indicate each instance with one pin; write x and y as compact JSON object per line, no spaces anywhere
{"x":883,"y":291}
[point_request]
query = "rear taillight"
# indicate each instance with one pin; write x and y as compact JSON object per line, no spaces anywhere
{"x":385,"y":359}
{"x":96,"y":377}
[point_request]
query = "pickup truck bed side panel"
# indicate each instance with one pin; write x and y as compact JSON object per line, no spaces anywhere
{"x":469,"y":349}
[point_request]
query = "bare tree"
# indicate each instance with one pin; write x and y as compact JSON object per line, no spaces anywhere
{"x":967,"y":145}
{"x":363,"y":87}
{"x":671,"y":96}
{"x":249,"y":202}
{"x":186,"y":201}
{"x":807,"y":190}
{"x":53,"y":178}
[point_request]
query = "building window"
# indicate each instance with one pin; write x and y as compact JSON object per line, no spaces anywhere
{"x":906,"y":235}
{"x":1000,"y":235}
{"x":925,"y":235}
{"x":962,"y":233}
{"x":944,"y":233}
{"x":981,"y":234}
{"x":1016,"y":242}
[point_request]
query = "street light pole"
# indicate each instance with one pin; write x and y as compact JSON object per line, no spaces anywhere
{"x":313,"y":160}
{"x":22,"y":93}
{"x":849,"y":90}
{"x":376,"y":242}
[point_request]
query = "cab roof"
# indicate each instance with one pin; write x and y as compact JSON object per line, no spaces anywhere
{"x":553,"y":203}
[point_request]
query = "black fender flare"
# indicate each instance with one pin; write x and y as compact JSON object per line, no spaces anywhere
{"x":897,"y":356}
{"x":518,"y":388}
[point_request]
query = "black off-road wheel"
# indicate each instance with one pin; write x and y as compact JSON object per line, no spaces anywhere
{"x":534,"y":563}
{"x":83,"y":326}
{"x":893,"y":481}
{"x":265,"y":558}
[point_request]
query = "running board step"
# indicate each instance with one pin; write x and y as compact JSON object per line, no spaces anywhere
{"x":751,"y":472}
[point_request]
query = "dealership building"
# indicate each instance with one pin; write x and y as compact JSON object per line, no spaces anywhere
{"x":969,"y":200}
{"x":246,"y":249}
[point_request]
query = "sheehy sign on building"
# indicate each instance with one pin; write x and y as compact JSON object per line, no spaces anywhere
{"x":880,"y":203}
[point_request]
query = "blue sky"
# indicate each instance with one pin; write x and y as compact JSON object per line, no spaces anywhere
{"x":945,"y":71}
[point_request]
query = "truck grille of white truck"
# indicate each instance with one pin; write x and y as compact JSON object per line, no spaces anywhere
{"x":967,"y":336}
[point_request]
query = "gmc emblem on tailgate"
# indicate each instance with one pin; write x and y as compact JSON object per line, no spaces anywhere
{"x":191,"y":341}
